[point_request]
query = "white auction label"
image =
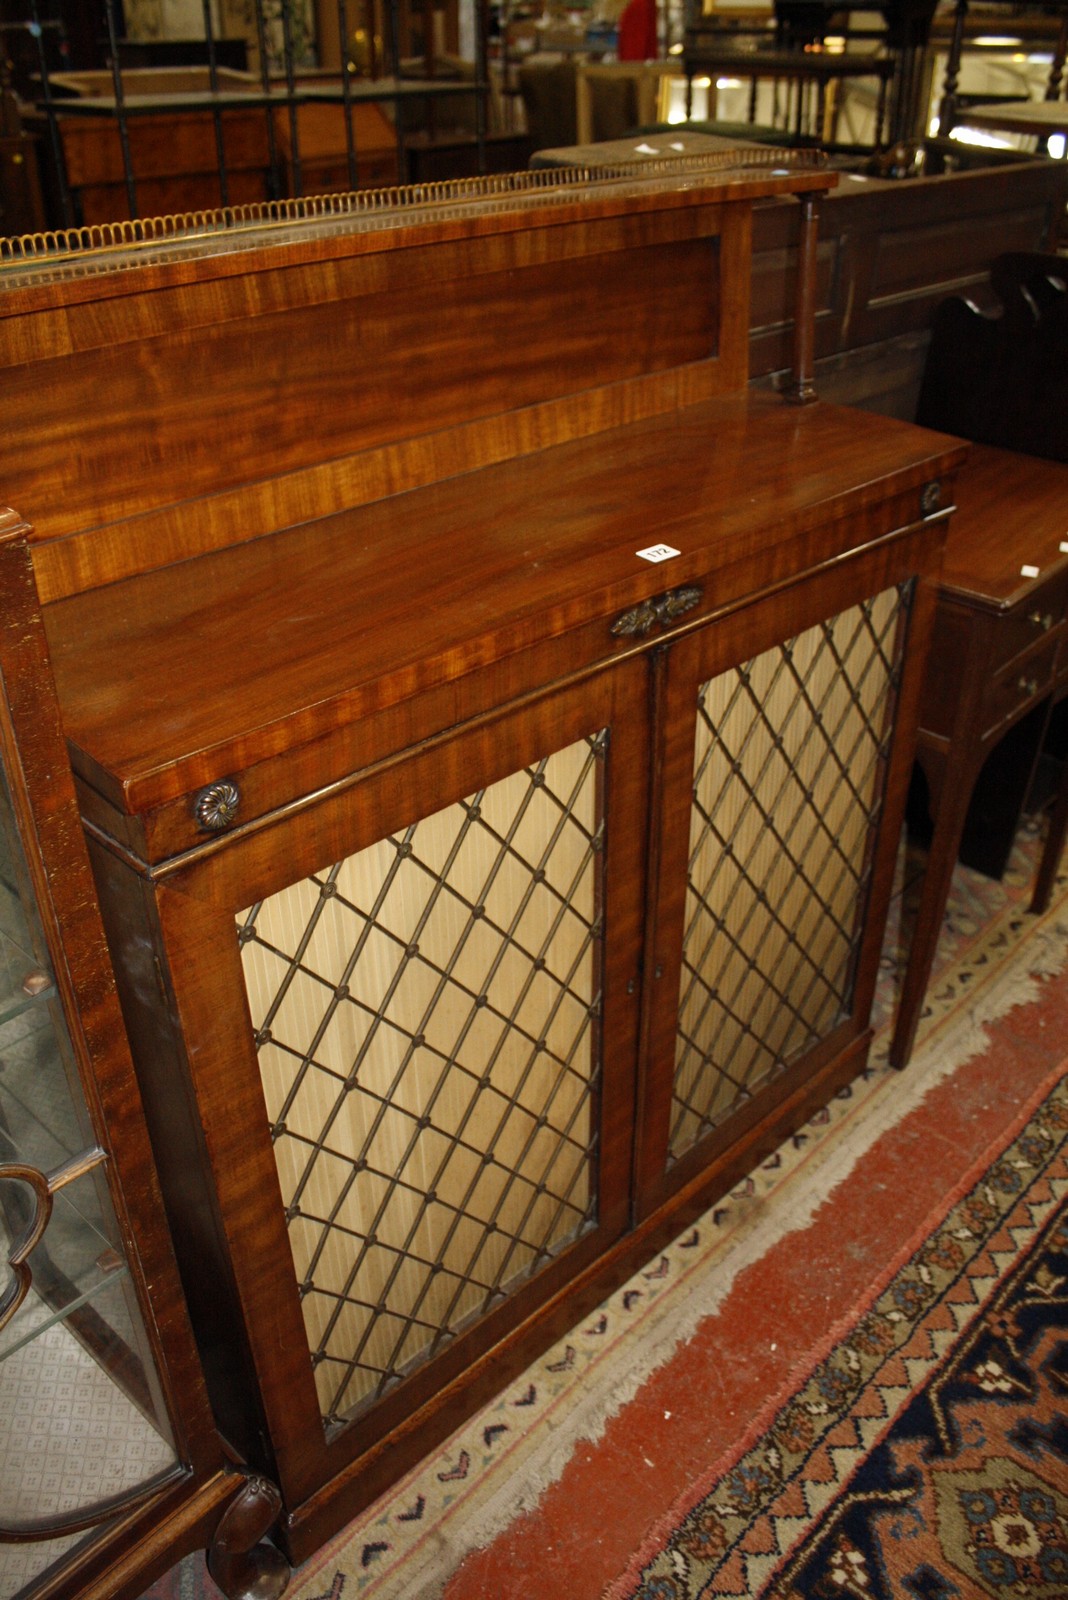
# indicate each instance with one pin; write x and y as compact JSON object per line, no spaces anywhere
{"x":1064,"y":547}
{"x":1028,"y":572}
{"x":659,"y":552}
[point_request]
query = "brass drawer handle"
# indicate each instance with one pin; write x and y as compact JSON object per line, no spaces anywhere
{"x":1042,"y":619}
{"x":1028,"y":686}
{"x":661,"y":609}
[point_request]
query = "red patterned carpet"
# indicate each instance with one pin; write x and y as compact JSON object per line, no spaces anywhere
{"x":712,"y":1429}
{"x":927,"y":1454}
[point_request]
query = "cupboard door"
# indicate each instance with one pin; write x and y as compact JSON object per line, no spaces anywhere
{"x":408,"y":1015}
{"x":775,"y":777}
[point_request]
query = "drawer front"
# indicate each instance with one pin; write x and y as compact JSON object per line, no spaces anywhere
{"x":1019,"y":685}
{"x":376,"y":721}
{"x":1041,"y":614}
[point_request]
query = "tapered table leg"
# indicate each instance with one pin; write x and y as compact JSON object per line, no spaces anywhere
{"x":951,"y":810}
{"x":1051,"y":853}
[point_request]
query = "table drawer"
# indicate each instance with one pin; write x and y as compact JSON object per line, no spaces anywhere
{"x":1019,"y":685}
{"x":1040,"y":614}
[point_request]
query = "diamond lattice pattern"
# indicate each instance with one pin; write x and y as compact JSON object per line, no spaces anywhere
{"x":790,"y":756}
{"x":426,"y":1016}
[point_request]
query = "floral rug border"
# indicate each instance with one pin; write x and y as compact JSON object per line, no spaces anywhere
{"x":956,"y":1269}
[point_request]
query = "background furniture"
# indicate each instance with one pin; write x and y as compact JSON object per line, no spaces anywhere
{"x":890,"y":253}
{"x":491,"y":724}
{"x":110,"y":1466}
{"x":1038,"y":117}
{"x":1047,"y":26}
{"x":811,"y":80}
{"x":998,"y":661}
{"x":635,"y":87}
{"x":21,"y":204}
{"x":120,"y":142}
{"x":185,"y":147}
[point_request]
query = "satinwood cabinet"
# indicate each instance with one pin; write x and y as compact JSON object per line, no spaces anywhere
{"x":493,"y":794}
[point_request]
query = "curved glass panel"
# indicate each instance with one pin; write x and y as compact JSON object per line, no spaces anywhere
{"x":82,"y":1419}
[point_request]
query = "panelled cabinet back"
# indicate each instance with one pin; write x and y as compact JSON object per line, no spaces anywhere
{"x":490,"y":721}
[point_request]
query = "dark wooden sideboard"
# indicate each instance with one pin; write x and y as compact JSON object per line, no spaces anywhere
{"x":491,"y":722}
{"x":891,"y":251}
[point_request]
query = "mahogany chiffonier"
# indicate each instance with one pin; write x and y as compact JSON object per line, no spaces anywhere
{"x":111,"y":1466}
{"x":491,"y":723}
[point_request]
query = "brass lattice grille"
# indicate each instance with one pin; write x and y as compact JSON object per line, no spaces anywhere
{"x":427,"y":1028}
{"x":790,"y":758}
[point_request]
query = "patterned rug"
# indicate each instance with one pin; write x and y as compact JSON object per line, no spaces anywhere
{"x":500,"y":1465}
{"x":927,"y":1455}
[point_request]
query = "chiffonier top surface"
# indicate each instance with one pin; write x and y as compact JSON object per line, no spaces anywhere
{"x":995,"y":555}
{"x":176,"y":677}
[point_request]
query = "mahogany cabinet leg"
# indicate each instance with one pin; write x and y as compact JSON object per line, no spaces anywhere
{"x":941,"y":859}
{"x":242,"y":1565}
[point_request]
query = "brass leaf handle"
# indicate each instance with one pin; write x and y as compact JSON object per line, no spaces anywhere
{"x":661,"y":610}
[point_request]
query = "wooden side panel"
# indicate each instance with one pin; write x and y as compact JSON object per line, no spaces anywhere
{"x":891,"y":252}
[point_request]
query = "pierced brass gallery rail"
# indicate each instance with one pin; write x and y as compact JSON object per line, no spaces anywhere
{"x":386,"y":206}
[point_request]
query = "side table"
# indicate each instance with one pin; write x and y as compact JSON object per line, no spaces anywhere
{"x":997,"y":654}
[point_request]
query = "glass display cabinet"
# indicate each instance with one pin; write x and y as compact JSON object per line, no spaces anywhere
{"x":109,"y":1459}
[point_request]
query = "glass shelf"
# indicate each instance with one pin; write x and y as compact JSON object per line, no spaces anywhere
{"x":73,"y":1265}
